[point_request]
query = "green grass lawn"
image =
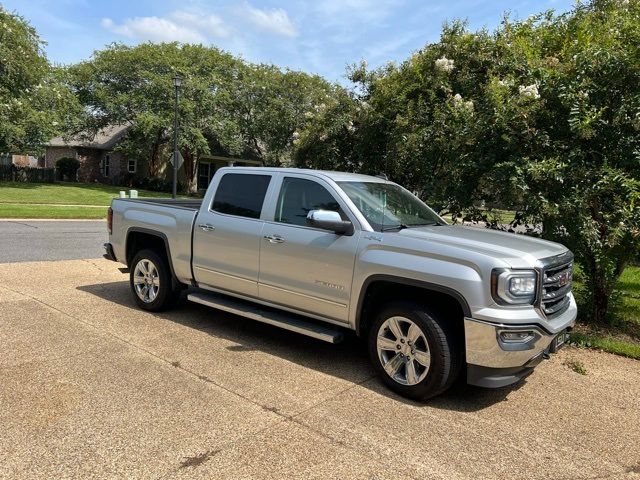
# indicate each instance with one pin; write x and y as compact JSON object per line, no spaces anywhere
{"x":502,"y":216}
{"x":52,"y":211}
{"x":628,"y":309}
{"x":624,"y":337}
{"x":64,"y":193}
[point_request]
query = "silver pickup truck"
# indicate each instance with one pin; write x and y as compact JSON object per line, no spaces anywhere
{"x":321,"y":252}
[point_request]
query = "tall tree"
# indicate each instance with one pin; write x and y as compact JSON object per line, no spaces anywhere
{"x":541,"y":116}
{"x":224,"y":101}
{"x":34,"y":105}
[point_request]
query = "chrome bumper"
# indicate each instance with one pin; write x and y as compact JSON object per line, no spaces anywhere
{"x":486,"y":345}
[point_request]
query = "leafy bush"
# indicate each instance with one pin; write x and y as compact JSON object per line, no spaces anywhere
{"x":157,"y":184}
{"x":541,"y":117}
{"x":154,"y":184}
{"x":68,"y":167}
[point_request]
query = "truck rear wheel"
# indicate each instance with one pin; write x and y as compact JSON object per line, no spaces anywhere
{"x":414,"y":351}
{"x":151,"y":282}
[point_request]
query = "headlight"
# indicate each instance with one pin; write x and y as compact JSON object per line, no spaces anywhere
{"x":513,"y":287}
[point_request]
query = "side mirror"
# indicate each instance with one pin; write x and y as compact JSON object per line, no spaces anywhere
{"x":328,"y":220}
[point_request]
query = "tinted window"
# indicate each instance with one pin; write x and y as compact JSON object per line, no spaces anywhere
{"x":241,"y":194}
{"x":298,"y":197}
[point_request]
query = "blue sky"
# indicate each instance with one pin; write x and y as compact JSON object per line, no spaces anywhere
{"x":320,"y":36}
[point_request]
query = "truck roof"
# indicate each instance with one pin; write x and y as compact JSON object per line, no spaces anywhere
{"x":333,"y":175}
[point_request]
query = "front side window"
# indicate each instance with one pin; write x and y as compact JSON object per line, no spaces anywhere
{"x":241,"y":194}
{"x":388,"y":206}
{"x":133,"y":165}
{"x":299,"y":196}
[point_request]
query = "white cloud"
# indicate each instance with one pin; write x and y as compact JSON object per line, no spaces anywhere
{"x":179,"y":26}
{"x":275,"y":21}
{"x":209,"y":25}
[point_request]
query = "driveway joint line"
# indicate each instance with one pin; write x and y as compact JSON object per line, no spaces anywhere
{"x":138,"y":347}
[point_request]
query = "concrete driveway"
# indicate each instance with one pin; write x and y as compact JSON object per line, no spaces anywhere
{"x":92,"y":387}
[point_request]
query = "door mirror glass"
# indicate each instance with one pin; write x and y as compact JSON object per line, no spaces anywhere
{"x":328,"y":220}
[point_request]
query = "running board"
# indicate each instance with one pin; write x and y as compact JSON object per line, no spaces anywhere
{"x":287,"y":321}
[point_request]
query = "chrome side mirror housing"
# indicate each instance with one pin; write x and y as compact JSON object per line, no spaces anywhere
{"x":329,"y":220}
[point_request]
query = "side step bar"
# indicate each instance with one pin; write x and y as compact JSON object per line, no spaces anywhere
{"x":287,"y":321}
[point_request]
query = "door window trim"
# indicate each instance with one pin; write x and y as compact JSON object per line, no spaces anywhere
{"x":270,"y":214}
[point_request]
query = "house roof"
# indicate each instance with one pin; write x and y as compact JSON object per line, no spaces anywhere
{"x":104,"y":139}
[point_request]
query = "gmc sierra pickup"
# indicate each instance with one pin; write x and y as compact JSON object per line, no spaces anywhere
{"x":319,"y":252}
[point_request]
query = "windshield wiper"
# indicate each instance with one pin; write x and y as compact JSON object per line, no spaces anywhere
{"x":400,"y":226}
{"x":423,"y":224}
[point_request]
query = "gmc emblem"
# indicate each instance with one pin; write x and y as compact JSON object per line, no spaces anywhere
{"x":564,"y":278}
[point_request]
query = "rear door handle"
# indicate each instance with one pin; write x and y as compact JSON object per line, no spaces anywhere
{"x":207,"y":227}
{"x":274,"y":238}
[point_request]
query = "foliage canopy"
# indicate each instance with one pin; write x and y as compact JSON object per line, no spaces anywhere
{"x":541,"y":116}
{"x":34,"y":105}
{"x":225,"y":103}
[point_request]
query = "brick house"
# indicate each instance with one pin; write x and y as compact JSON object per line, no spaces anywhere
{"x":98,"y":160}
{"x":100,"y":163}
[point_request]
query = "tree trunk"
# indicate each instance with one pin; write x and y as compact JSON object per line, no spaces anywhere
{"x":154,"y":161}
{"x":601,"y":295}
{"x":190,"y":170}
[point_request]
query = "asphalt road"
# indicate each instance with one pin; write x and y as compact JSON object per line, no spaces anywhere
{"x":34,"y":240}
{"x":93,"y":387}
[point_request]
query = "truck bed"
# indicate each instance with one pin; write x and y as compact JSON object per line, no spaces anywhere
{"x":171,"y":219}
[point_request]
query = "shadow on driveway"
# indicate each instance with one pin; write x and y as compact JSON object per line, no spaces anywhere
{"x":347,"y":360}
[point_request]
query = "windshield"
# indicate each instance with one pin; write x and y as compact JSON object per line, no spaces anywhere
{"x":388,"y":206}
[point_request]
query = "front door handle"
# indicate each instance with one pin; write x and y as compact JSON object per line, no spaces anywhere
{"x":274,"y":238}
{"x":207,"y":227}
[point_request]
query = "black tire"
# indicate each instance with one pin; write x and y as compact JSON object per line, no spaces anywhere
{"x":167,"y":294}
{"x":445,"y":350}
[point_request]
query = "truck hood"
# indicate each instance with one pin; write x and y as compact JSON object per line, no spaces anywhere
{"x":519,"y":251}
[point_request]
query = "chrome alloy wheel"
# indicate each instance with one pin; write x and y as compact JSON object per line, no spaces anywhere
{"x":403,"y":350}
{"x":146,"y":280}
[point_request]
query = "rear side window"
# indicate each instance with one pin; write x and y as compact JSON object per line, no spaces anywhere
{"x":241,"y":194}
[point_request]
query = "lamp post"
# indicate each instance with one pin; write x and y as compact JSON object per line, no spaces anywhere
{"x":177,"y":81}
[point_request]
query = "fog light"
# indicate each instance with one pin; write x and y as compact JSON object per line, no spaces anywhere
{"x":516,"y":337}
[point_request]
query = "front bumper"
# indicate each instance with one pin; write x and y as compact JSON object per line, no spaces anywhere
{"x":493,"y":361}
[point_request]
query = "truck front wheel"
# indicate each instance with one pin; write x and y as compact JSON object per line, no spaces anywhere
{"x":151,"y":283}
{"x":414,"y":351}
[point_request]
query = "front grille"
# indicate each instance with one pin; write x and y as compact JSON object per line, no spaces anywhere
{"x":555,"y":288}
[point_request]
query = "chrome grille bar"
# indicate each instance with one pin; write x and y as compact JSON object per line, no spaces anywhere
{"x":556,"y":275}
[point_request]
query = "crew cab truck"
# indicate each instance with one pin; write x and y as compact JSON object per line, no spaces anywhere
{"x":319,"y":252}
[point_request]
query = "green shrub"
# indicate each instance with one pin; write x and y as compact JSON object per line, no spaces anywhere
{"x":157,"y":184}
{"x":68,"y":168}
{"x":541,"y":116}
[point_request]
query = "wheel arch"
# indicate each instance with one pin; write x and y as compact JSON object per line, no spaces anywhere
{"x":378,"y":289}
{"x":139,"y":238}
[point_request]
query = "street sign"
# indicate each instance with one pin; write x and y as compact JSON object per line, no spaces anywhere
{"x":180,"y":160}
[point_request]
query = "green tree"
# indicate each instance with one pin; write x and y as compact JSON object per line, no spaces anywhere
{"x":34,"y":105}
{"x":133,"y":86}
{"x":224,"y":102}
{"x":541,"y":116}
